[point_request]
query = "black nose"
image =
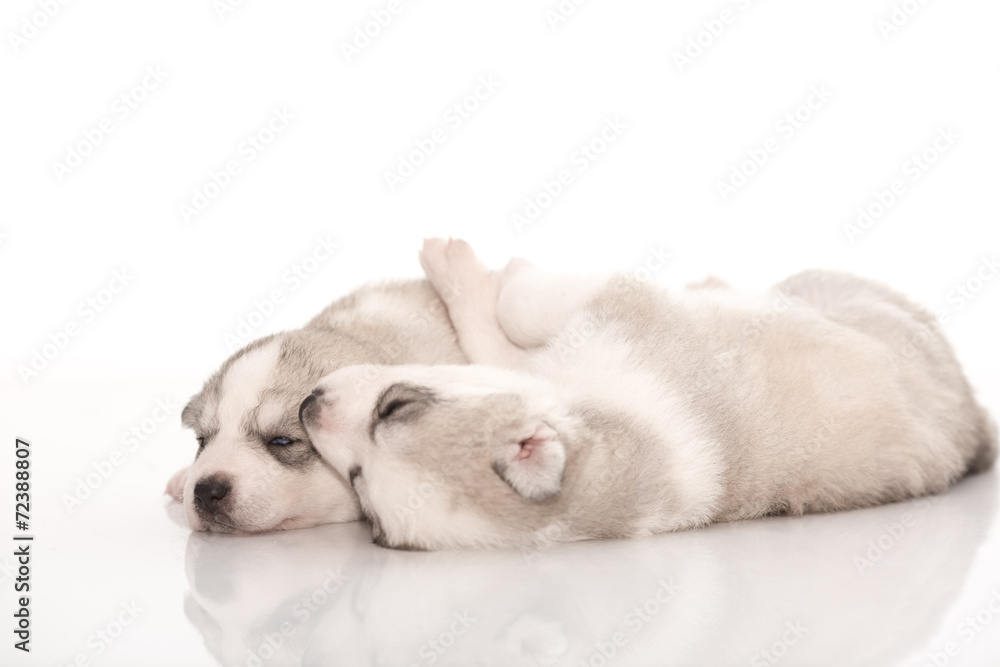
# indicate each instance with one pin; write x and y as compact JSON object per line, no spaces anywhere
{"x":208,"y":494}
{"x":308,"y":408}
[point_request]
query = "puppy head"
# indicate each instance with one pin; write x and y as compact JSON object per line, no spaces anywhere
{"x":443,"y":456}
{"x":256,"y":469}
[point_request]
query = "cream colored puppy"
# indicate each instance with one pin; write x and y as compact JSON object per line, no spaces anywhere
{"x":648,"y":410}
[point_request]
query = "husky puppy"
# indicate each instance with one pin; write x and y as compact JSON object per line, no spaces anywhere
{"x":256,"y":469}
{"x":650,"y":411}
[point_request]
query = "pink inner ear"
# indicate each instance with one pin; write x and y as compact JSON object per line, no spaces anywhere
{"x":542,"y":435}
{"x":527,"y":447}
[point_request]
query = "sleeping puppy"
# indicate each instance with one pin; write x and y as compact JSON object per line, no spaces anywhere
{"x":650,"y":411}
{"x":255,"y":469}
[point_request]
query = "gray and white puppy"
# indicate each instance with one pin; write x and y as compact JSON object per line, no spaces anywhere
{"x":650,"y":411}
{"x":256,"y":469}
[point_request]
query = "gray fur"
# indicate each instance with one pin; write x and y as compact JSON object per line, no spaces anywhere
{"x":675,"y":409}
{"x":392,"y":323}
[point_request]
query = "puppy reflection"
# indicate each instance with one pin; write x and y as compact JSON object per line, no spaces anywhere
{"x":549,"y":604}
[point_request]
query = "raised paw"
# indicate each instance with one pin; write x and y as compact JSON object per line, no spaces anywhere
{"x":454,"y":271}
{"x":175,"y":487}
{"x":515,"y":267}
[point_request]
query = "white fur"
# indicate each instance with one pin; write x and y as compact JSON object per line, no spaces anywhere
{"x":392,"y":322}
{"x":676,"y":409}
{"x":229,"y":452}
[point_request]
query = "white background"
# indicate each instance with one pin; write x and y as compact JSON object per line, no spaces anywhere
{"x":655,"y":189}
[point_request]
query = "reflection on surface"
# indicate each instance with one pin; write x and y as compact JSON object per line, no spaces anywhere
{"x":859,"y":588}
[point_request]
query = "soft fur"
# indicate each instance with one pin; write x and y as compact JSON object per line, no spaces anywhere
{"x":254,"y":398}
{"x":649,"y":410}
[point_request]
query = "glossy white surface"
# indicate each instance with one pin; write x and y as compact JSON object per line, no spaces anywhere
{"x":709,"y":597}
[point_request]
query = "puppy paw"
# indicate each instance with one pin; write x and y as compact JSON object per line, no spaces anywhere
{"x":514,"y":269}
{"x":454,"y":271}
{"x":175,"y":487}
{"x":711,"y":282}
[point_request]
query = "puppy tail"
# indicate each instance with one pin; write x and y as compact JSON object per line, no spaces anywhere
{"x":986,"y":452}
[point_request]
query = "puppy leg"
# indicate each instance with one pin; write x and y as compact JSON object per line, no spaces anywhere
{"x":175,"y":487}
{"x":534,"y":305}
{"x":470,"y":292}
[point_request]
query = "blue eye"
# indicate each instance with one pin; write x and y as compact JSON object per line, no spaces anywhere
{"x":281,"y":441}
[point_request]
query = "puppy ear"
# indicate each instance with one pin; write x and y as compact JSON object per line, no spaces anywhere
{"x":533,"y":466}
{"x":192,"y":411}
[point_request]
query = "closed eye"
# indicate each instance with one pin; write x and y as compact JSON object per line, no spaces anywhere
{"x":400,"y":402}
{"x":393,"y":405}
